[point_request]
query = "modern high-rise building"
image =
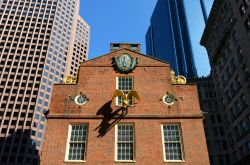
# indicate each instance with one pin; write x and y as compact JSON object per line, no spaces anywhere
{"x":214,"y":129}
{"x":174,"y":35}
{"x":227,"y":39}
{"x":39,"y":43}
{"x":81,"y":46}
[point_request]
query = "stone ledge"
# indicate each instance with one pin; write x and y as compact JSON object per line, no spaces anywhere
{"x":128,"y":116}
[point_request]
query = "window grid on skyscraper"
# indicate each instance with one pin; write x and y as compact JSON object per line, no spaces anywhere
{"x":28,"y":70}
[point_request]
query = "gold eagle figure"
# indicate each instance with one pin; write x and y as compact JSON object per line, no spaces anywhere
{"x":125,"y":97}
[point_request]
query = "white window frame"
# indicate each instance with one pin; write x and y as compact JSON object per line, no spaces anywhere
{"x":163,"y":143}
{"x":117,"y":85}
{"x":68,"y":143}
{"x":116,"y":142}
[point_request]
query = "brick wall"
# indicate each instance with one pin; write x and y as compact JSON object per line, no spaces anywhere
{"x":97,"y":80}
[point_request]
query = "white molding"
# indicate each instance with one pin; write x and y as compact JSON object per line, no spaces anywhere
{"x":117,"y":84}
{"x":116,"y":142}
{"x":164,"y":100}
{"x":163,"y":144}
{"x":77,"y":96}
{"x":67,"y":144}
{"x":116,"y":131}
{"x":125,"y":161}
{"x":116,"y":87}
{"x":74,"y":161}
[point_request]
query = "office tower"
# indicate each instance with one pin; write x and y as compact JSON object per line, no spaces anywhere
{"x":87,"y":125}
{"x":174,"y":34}
{"x":35,"y":46}
{"x":81,"y":46}
{"x":214,"y":129}
{"x":227,"y":39}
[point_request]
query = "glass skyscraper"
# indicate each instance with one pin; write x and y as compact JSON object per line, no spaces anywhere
{"x":174,"y":34}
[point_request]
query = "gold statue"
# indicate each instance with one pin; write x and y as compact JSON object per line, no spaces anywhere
{"x":177,"y":79}
{"x":71,"y":79}
{"x":126,"y":97}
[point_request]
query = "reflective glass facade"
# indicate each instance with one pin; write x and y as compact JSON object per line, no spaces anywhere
{"x":174,"y":36}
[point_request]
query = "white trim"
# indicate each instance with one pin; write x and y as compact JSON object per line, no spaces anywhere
{"x":163,"y":144}
{"x":116,"y":132}
{"x":67,"y":144}
{"x":164,"y":100}
{"x":77,"y":96}
{"x":162,"y":140}
{"x":115,"y":142}
{"x":74,"y":161}
{"x":117,"y":85}
{"x":125,"y":161}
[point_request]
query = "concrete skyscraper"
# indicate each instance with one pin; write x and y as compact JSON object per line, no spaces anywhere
{"x":41,"y":41}
{"x":174,"y":34}
{"x":214,"y":129}
{"x":227,"y":39}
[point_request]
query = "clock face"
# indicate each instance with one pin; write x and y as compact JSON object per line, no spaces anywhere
{"x":125,"y":61}
{"x":169,"y":99}
{"x":80,"y":99}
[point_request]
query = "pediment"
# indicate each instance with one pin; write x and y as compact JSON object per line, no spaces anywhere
{"x":107,"y":59}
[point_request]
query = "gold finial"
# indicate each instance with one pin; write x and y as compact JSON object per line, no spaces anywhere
{"x":71,"y":79}
{"x":126,"y":97}
{"x":177,"y":79}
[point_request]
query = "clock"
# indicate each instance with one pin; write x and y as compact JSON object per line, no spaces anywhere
{"x":125,"y":63}
{"x":169,"y":99}
{"x":81,"y":99}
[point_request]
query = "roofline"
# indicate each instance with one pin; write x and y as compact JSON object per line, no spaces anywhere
{"x":124,"y":43}
{"x":128,"y":50}
{"x":210,"y":21}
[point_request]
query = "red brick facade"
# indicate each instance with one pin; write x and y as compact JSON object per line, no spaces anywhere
{"x":152,"y":80}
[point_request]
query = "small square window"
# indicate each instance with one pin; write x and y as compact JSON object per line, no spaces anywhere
{"x":134,"y":47}
{"x":247,"y":24}
{"x":116,"y":46}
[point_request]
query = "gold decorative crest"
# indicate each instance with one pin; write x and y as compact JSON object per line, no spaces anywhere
{"x":71,"y":79}
{"x":177,"y":79}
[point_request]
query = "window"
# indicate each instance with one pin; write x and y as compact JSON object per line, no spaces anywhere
{"x":116,"y":46}
{"x":76,"y":145}
{"x":124,"y":142}
{"x":246,"y":3}
{"x":215,"y":132}
{"x":247,"y":144}
{"x":134,"y":47}
{"x":125,"y":84}
{"x":247,"y":24}
{"x":217,"y":145}
{"x":243,"y":128}
{"x":172,"y":142}
{"x":242,"y":9}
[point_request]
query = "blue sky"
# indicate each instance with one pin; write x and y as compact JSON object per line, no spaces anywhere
{"x":116,"y":21}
